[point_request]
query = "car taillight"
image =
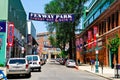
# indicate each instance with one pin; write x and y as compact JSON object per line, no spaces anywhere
{"x":7,"y":66}
{"x":26,"y":65}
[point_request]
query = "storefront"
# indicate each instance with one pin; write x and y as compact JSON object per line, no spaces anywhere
{"x":108,"y":25}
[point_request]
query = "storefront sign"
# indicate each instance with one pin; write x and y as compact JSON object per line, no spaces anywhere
{"x":89,"y":38}
{"x":10,"y":33}
{"x":95,"y":33}
{"x":51,"y":17}
{"x":2,"y":26}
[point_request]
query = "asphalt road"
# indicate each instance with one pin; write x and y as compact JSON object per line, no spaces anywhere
{"x":55,"y":71}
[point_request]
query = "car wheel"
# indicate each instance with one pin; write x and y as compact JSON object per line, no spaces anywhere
{"x":28,"y":75}
{"x":39,"y":69}
{"x":8,"y":75}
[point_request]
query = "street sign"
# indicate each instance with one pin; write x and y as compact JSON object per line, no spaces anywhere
{"x":2,"y":26}
{"x":51,"y":17}
{"x":10,"y":33}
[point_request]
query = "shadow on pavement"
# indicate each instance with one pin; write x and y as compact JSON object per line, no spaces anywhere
{"x":18,"y":77}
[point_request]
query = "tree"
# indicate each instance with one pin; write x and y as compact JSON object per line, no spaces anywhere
{"x":65,"y":31}
{"x":113,"y":45}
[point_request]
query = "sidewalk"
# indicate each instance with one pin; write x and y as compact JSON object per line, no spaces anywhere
{"x":107,"y":72}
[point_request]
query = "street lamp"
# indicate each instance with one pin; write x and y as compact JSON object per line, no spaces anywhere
{"x":96,"y":51}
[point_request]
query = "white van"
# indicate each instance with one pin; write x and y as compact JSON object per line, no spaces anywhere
{"x":34,"y":62}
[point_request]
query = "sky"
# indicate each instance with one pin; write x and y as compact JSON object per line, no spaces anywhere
{"x":36,"y":6}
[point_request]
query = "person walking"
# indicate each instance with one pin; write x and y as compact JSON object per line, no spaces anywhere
{"x":92,"y":64}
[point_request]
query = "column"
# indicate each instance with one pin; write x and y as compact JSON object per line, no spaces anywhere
{"x":49,"y":56}
{"x":110,"y":22}
{"x":106,"y":54}
{"x":118,"y":18}
{"x":115,"y":19}
{"x":106,"y":50}
{"x":119,"y":37}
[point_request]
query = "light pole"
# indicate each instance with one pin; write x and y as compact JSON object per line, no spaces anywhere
{"x":96,"y":51}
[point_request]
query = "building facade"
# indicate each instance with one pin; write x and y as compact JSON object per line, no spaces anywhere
{"x":12,"y":11}
{"x":45,"y":48}
{"x":102,"y":17}
{"x":32,"y":44}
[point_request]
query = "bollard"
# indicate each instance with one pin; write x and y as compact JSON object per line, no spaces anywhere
{"x":102,"y":67}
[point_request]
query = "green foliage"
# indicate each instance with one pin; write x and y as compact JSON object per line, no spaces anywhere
{"x":63,"y":54}
{"x":1,"y":65}
{"x":65,"y":31}
{"x":52,"y":41}
{"x":113,"y":44}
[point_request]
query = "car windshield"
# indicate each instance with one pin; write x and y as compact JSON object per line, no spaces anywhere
{"x":29,"y":58}
{"x":35,"y":58}
{"x":14,"y":61}
{"x":71,"y":61}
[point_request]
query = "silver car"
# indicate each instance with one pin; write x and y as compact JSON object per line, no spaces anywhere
{"x":18,"y":66}
{"x":70,"y":63}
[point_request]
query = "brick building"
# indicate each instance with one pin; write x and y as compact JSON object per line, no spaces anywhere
{"x":45,"y":48}
{"x":102,"y":17}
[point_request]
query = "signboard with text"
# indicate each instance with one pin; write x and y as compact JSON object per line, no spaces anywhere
{"x":51,"y":17}
{"x":10,"y":33}
{"x":3,"y":41}
{"x":89,"y":38}
{"x":95,"y":32}
{"x":2,"y":26}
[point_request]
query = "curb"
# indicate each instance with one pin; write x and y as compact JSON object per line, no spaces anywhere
{"x":77,"y":67}
{"x":99,"y":75}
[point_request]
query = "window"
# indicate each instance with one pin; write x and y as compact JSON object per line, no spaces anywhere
{"x":14,"y":14}
{"x":10,"y":9}
{"x":86,"y":24}
{"x":45,"y":43}
{"x":105,"y":6}
{"x":116,"y":18}
{"x":29,"y":58}
{"x":91,"y":20}
{"x":58,"y":49}
{"x":35,"y":58}
{"x":97,"y":14}
{"x":113,"y":21}
{"x":45,"y":37}
{"x":19,"y":61}
{"x":108,"y":23}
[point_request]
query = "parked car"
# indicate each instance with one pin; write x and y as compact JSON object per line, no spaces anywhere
{"x":18,"y":66}
{"x":57,"y":59}
{"x":63,"y":61}
{"x":70,"y":63}
{"x":2,"y":76}
{"x":34,"y":62}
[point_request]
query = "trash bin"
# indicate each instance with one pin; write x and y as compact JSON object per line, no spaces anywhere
{"x":117,"y":70}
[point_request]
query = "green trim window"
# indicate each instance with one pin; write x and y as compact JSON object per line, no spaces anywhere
{"x":91,"y":20}
{"x":105,"y":6}
{"x":96,"y":14}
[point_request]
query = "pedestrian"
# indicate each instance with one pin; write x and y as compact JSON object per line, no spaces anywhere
{"x":92,"y":64}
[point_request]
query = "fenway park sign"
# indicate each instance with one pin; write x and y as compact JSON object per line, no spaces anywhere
{"x":51,"y":17}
